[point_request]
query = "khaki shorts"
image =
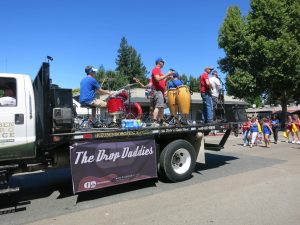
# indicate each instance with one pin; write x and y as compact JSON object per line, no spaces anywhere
{"x":159,"y":99}
{"x":99,"y":103}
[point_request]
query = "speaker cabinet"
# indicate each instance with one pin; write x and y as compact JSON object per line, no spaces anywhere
{"x":61,"y":98}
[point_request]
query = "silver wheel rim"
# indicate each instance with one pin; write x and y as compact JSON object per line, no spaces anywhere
{"x":181,"y":161}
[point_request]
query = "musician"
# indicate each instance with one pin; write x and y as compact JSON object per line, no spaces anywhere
{"x":159,"y":86}
{"x":205,"y":89}
{"x":215,"y":90}
{"x":175,"y":82}
{"x":89,"y":86}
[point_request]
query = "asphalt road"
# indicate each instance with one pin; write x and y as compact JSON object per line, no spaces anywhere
{"x":238,"y":185}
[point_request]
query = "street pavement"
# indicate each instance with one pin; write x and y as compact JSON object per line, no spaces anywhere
{"x":238,"y":185}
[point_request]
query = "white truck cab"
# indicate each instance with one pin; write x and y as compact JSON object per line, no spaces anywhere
{"x":17,"y":117}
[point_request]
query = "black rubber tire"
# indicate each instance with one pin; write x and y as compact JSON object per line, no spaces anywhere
{"x":165,"y":161}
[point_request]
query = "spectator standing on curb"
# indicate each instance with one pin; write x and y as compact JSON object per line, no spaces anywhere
{"x":246,"y":132}
{"x":215,"y":90}
{"x":275,"y":127}
{"x":205,"y":88}
{"x":267,"y":131}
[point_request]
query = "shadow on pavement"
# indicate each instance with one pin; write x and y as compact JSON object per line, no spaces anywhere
{"x":213,"y":161}
{"x":33,"y":186}
{"x":119,"y":189}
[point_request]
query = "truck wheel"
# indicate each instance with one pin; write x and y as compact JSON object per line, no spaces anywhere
{"x":177,"y":161}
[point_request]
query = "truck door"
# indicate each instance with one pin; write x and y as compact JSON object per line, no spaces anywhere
{"x":16,"y":141}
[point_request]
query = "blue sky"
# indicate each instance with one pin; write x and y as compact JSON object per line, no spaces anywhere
{"x":78,"y":33}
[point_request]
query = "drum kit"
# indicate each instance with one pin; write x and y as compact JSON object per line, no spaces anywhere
{"x":179,"y":100}
{"x":119,"y":106}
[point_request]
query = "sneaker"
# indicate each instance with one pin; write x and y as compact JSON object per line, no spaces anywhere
{"x":164,"y":124}
{"x":244,"y":145}
{"x":298,"y":142}
{"x":155,"y":124}
{"x":251,"y":145}
{"x":293,"y":142}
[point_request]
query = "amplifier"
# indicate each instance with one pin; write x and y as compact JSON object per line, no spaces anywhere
{"x":62,"y":120}
{"x":61,"y":98}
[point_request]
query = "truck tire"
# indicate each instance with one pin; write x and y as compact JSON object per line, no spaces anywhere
{"x":177,"y":161}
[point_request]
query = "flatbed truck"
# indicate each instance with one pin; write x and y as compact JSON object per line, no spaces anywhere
{"x":37,"y":133}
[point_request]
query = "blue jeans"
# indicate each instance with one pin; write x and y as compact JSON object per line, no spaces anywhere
{"x":207,"y":108}
{"x":246,"y":135}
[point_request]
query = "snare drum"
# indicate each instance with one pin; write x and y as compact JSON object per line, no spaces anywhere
{"x":183,"y":99}
{"x":115,"y":105}
{"x":171,"y":94}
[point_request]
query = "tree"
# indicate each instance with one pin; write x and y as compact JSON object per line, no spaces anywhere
{"x":129,"y":62}
{"x":262,"y":50}
{"x":110,"y":79}
{"x":75,"y":91}
{"x":195,"y":84}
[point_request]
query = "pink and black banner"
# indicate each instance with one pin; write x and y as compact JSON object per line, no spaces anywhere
{"x":98,"y":164}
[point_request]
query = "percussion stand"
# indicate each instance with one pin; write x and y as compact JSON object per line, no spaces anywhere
{"x":129,"y":115}
{"x":221,"y":101}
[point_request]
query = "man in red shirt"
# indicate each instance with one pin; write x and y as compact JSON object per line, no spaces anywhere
{"x":205,"y":89}
{"x":159,"y":85}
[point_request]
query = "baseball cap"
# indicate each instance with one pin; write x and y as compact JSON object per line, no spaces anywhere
{"x":175,"y":74}
{"x":159,"y":59}
{"x":214,"y":72}
{"x":90,"y":69}
{"x":209,"y":67}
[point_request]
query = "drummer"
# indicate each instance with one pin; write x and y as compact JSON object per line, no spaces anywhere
{"x":175,"y":82}
{"x":89,"y":86}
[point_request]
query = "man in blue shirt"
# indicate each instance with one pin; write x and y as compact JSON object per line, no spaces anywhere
{"x":89,"y":86}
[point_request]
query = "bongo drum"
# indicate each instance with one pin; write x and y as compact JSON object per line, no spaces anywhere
{"x":183,"y":99}
{"x":171,"y":94}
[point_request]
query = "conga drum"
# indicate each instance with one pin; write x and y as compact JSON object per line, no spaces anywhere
{"x":183,"y":99}
{"x":171,"y":94}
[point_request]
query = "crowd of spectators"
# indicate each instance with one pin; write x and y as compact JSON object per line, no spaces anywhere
{"x":256,"y":131}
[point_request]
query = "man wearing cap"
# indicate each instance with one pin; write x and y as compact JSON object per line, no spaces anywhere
{"x":89,"y":86}
{"x":159,"y":85}
{"x":215,"y":89}
{"x":175,"y":82}
{"x":205,"y":87}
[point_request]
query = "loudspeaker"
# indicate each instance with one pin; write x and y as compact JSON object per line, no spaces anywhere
{"x":235,"y":113}
{"x":61,"y":98}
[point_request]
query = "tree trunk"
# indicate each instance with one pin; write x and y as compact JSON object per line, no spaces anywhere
{"x":284,"y":110}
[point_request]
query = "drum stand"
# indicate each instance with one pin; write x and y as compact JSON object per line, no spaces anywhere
{"x":129,"y":115}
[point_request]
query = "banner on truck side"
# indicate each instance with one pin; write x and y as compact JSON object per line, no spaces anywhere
{"x":97,"y":164}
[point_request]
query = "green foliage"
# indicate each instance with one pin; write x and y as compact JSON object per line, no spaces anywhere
{"x":129,"y":62}
{"x":110,"y":79}
{"x":194,"y":84}
{"x":75,"y":91}
{"x":262,"y":50}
